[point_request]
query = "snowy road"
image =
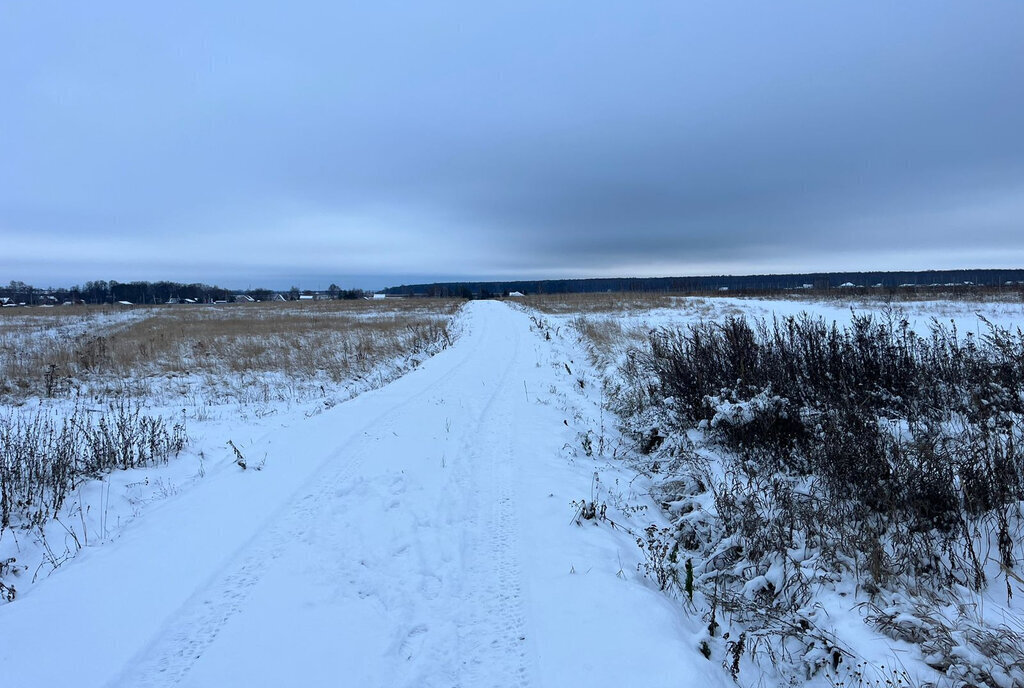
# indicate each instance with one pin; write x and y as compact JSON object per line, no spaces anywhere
{"x":419,"y":535}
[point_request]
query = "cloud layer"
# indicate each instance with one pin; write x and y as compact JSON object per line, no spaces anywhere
{"x":247,"y":143}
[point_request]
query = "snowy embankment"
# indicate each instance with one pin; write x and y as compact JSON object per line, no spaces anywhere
{"x":421,"y":534}
{"x":845,"y":501}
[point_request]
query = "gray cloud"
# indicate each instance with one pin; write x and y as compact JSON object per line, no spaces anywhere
{"x":529,"y":139}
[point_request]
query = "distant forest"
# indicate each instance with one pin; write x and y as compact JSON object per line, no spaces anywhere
{"x":722,"y":283}
{"x":102,"y":291}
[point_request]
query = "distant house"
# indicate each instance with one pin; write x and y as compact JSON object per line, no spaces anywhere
{"x":305,"y":297}
{"x":379,"y":296}
{"x":277,"y":297}
{"x":125,"y":303}
{"x":190,"y":301}
{"x":516,"y":293}
{"x":244,"y":298}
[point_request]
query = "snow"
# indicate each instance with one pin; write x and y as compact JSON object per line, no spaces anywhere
{"x":840,"y":609}
{"x":633,"y":325}
{"x":421,"y":534}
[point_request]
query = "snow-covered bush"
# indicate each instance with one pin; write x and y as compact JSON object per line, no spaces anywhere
{"x":45,"y":455}
{"x":797,"y":455}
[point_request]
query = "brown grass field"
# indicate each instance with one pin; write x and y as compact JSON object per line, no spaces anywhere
{"x":620,"y":302}
{"x":55,"y":351}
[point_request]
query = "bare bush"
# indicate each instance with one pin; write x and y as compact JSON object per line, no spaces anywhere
{"x":45,"y":456}
{"x":866,"y":451}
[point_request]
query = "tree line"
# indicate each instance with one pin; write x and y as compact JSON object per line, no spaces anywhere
{"x":820,"y":281}
{"x":141,"y":292}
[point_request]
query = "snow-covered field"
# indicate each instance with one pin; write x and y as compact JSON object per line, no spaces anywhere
{"x":433,"y":531}
{"x":199,"y":355}
{"x":86,"y":384}
{"x":419,"y":534}
{"x":957,"y":633}
{"x":637,"y":316}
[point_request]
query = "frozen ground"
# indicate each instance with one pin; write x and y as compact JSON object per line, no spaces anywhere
{"x":920,"y":314}
{"x":422,"y":534}
{"x":842,"y":608}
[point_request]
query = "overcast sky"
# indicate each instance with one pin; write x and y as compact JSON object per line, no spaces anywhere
{"x":375,"y":143}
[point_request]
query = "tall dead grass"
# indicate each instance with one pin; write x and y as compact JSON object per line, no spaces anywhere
{"x":626,"y":302}
{"x":56,"y":352}
{"x":602,"y":302}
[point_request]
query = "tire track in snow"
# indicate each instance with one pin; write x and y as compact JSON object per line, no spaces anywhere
{"x":196,"y":626}
{"x":486,"y":647}
{"x":461,"y":553}
{"x":185,"y":638}
{"x":494,"y":641}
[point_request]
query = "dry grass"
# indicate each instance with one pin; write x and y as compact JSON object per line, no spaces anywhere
{"x":872,"y":295}
{"x":626,"y":302}
{"x":605,"y":334}
{"x":54,"y":352}
{"x":603,"y":302}
{"x":630,"y":303}
{"x":612,"y":322}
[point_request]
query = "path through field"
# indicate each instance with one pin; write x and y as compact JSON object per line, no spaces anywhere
{"x":418,"y":535}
